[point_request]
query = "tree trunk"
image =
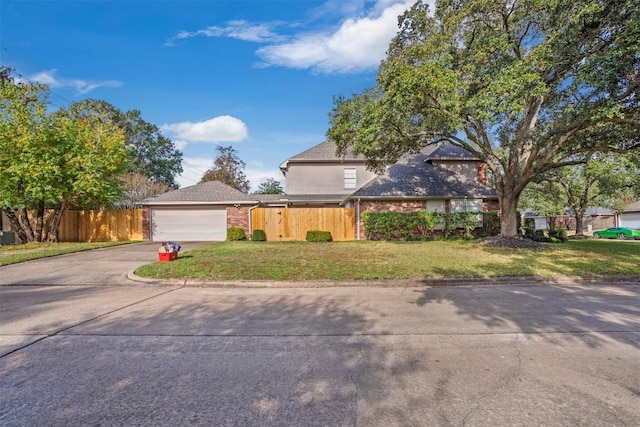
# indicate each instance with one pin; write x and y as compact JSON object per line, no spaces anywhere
{"x":55,"y":223}
{"x":25,"y":224}
{"x":509,"y":220}
{"x":21,"y":236}
{"x":579,"y":223}
{"x":39,"y":221}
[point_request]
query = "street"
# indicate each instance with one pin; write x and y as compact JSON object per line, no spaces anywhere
{"x":514,"y":355}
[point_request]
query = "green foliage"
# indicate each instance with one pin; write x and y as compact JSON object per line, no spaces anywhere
{"x":53,"y":161}
{"x":258,"y":236}
{"x":525,"y":86}
{"x":422,"y":225}
{"x":228,"y":169}
{"x":558,"y":235}
{"x":318,"y":236}
{"x":490,"y":223}
{"x":270,"y":186}
{"x":236,"y":233}
{"x":152,"y":154}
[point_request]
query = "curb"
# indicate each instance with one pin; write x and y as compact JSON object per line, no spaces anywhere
{"x":404,"y":283}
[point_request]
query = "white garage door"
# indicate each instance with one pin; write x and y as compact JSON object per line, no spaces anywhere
{"x":630,"y":220}
{"x":196,"y":224}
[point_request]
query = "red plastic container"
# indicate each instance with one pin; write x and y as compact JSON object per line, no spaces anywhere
{"x":167,"y":256}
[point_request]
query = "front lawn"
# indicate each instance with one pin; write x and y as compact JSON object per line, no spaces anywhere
{"x":299,"y":261}
{"x":12,"y":254}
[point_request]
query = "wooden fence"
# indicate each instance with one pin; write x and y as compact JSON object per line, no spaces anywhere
{"x":292,"y":223}
{"x":101,"y":226}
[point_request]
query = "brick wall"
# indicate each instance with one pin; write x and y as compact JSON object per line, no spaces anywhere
{"x":482,"y":173}
{"x":146,"y":223}
{"x":239,"y":217}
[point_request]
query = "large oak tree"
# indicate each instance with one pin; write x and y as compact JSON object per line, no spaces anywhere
{"x":526,"y":85}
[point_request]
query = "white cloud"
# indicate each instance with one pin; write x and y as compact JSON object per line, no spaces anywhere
{"x":215,"y":130}
{"x":81,"y":86}
{"x":180,"y":143}
{"x":239,"y":30}
{"x":358,"y":44}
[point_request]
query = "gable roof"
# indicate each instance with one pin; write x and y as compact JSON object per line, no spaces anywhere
{"x":323,"y":152}
{"x":210,"y":192}
{"x":415,"y":177}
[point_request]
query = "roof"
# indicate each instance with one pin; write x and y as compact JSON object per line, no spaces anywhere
{"x":414,"y":177}
{"x":323,"y":152}
{"x":210,"y":192}
{"x":450,"y":152}
{"x":633,"y":207}
{"x":302,"y":199}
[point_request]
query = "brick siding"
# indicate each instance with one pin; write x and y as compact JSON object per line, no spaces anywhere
{"x":239,"y":217}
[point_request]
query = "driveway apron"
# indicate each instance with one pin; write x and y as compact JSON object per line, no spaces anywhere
{"x":106,"y":266}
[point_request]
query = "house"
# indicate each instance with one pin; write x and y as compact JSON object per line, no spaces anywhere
{"x":325,"y":191}
{"x":630,"y":217}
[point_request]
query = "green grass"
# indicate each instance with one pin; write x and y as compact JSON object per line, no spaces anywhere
{"x":12,"y":254}
{"x":301,"y":261}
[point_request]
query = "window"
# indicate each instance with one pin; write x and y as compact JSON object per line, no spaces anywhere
{"x":349,"y":178}
{"x":467,"y":205}
{"x":436,"y":206}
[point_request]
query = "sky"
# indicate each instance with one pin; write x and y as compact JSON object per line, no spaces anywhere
{"x":259,"y":75}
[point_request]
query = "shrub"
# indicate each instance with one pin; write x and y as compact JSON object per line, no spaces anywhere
{"x":258,"y":236}
{"x":235,"y":233}
{"x":490,"y":223}
{"x":401,"y":225}
{"x":319,"y":236}
{"x":558,"y":235}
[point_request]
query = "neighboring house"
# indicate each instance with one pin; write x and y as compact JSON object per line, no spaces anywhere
{"x":594,"y":219}
{"x":630,"y":217}
{"x":319,"y":185}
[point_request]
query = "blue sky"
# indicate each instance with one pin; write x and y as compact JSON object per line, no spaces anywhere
{"x":259,"y":75}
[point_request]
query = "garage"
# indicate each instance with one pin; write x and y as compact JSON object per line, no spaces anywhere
{"x":630,"y":220}
{"x":188,"y":224}
{"x":200,"y":212}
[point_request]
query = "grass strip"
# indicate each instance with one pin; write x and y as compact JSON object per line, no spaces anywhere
{"x":12,"y":254}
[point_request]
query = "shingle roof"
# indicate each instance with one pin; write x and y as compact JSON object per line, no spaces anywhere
{"x":450,"y":152}
{"x":324,"y":151}
{"x":414,"y":177}
{"x":211,"y":192}
{"x":633,"y":207}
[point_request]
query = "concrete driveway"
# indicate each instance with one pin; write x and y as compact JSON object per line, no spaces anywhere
{"x":107,"y":266}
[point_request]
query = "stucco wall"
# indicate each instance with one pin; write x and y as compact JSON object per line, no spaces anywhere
{"x":324,"y":178}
